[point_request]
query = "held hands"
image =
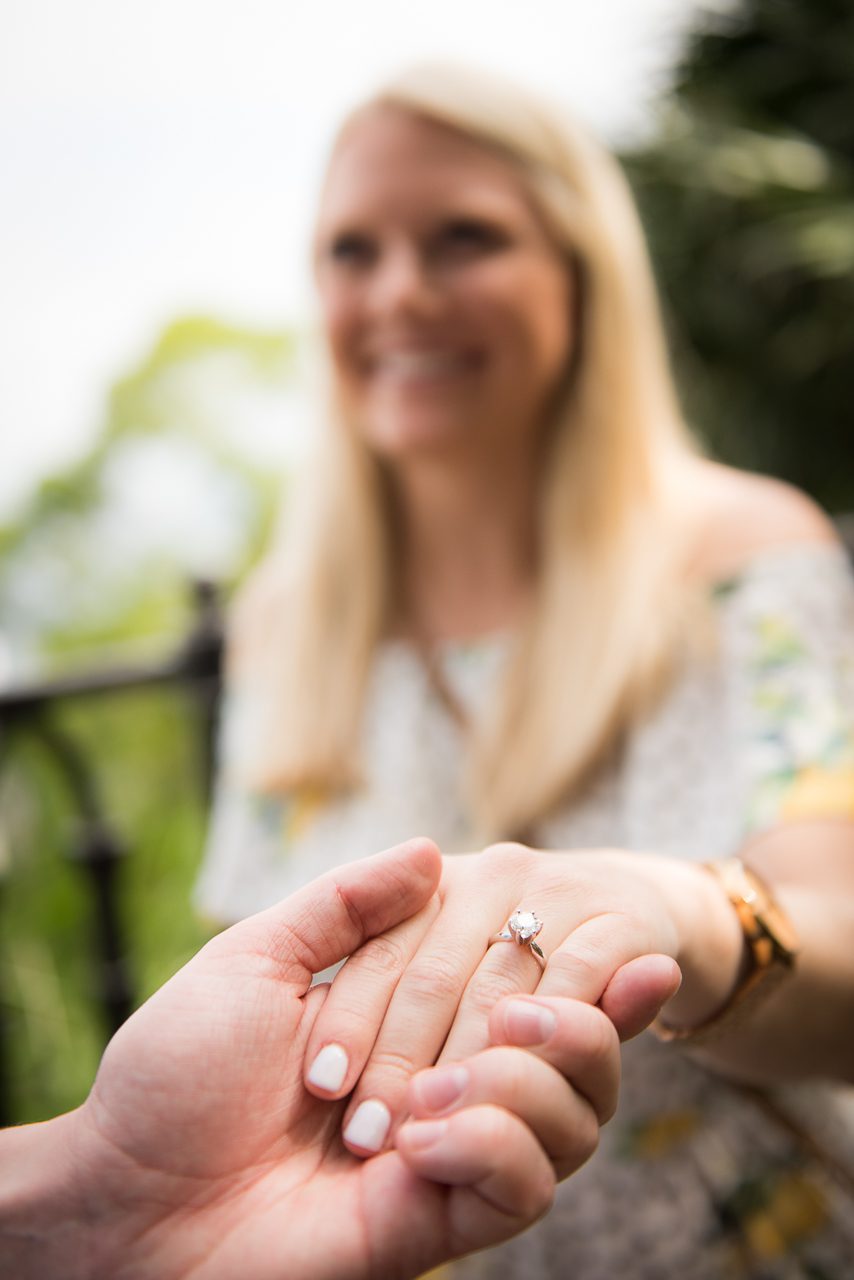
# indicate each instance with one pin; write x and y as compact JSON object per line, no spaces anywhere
{"x":200,"y":1152}
{"x":432,"y":990}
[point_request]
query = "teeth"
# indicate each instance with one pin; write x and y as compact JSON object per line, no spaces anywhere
{"x":419,"y":364}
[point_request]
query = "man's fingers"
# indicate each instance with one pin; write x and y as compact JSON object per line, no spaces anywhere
{"x":561,"y":1119}
{"x":638,"y":991}
{"x":493,"y":1155}
{"x":333,"y":916}
{"x":474,"y":1181}
{"x":574,"y":1037}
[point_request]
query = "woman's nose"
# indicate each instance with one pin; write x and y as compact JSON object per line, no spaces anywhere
{"x":402,"y":284}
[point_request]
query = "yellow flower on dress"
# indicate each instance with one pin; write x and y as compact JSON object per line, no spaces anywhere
{"x":662,"y":1134}
{"x":779,"y":641}
{"x":820,"y":793}
{"x":795,"y":1209}
{"x":302,"y":809}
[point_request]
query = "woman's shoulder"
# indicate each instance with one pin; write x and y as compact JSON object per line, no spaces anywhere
{"x":738,"y":517}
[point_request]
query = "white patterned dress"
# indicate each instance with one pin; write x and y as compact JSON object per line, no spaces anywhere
{"x":692,"y":1177}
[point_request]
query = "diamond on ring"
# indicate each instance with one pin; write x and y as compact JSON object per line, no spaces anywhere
{"x":524,"y":926}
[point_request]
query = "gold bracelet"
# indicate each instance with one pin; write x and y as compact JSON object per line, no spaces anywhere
{"x":772,"y":948}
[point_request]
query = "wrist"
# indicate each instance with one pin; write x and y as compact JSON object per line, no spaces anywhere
{"x":770,"y":945}
{"x":711,"y":950}
{"x":45,"y":1229}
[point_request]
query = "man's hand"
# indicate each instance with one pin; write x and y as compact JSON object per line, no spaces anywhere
{"x":201,"y":1154}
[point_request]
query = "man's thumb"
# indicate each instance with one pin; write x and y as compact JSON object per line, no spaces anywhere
{"x":333,"y":915}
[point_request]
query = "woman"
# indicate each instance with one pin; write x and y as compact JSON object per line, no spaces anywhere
{"x":517,"y":604}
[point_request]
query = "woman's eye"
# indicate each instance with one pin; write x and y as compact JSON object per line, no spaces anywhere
{"x":468,"y":235}
{"x":351,"y":249}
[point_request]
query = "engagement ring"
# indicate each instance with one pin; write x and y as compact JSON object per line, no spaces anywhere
{"x":522,"y":928}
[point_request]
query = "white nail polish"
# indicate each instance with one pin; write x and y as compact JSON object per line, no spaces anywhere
{"x":329,"y":1068}
{"x":369,"y":1125}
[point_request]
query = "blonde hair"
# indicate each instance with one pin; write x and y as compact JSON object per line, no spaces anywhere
{"x":596,"y":644}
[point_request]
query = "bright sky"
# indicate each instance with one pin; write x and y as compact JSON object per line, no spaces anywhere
{"x":161,"y":156}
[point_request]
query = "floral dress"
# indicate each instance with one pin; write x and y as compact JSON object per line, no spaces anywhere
{"x":694,"y":1176}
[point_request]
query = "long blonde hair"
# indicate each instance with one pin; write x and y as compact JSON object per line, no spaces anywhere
{"x":597,"y":641}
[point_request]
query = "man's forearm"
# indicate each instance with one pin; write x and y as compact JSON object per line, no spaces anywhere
{"x":43,"y":1228}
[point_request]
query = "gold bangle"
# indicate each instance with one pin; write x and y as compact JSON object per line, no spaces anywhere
{"x":772,"y":946}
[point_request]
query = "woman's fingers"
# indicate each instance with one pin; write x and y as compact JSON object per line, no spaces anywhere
{"x":411,"y":991}
{"x":492,"y":1158}
{"x":506,"y":969}
{"x":343,"y":1034}
{"x":415,"y":1026}
{"x":412,"y":1037}
{"x":602,"y":961}
{"x":582,"y":966}
{"x":444,"y":987}
{"x":638,"y":991}
{"x":424,"y":1005}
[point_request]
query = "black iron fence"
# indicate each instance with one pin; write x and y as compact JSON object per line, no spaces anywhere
{"x":95,"y":848}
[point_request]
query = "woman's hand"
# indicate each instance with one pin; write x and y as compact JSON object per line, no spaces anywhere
{"x":424,"y":992}
{"x":199,"y":1151}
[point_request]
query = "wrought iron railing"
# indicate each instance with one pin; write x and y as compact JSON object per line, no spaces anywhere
{"x":95,"y":846}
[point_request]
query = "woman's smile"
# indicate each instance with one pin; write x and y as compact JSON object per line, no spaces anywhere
{"x":401,"y":368}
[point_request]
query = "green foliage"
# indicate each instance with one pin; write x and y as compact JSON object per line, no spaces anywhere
{"x":747,"y":195}
{"x":144,"y":751}
{"x":148,"y":398}
{"x":777,"y":64}
{"x":69,"y":575}
{"x":71,"y":598}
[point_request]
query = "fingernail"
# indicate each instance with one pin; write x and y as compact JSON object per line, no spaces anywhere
{"x":424,"y":1133}
{"x":329,"y":1068}
{"x":527,"y":1023}
{"x":369,"y":1125}
{"x":438,"y":1089}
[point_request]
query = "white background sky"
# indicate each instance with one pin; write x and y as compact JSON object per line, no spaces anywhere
{"x":159,"y":157}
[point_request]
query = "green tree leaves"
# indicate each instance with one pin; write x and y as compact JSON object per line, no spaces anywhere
{"x":747,"y":194}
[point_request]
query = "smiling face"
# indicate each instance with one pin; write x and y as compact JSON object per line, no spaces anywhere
{"x":446,"y":304}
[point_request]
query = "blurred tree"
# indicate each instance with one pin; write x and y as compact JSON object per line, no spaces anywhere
{"x":102,"y":551}
{"x":97,"y":561}
{"x":747,"y":194}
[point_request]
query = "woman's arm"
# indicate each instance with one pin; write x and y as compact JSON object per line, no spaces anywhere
{"x":804,"y":1026}
{"x":788,"y":642}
